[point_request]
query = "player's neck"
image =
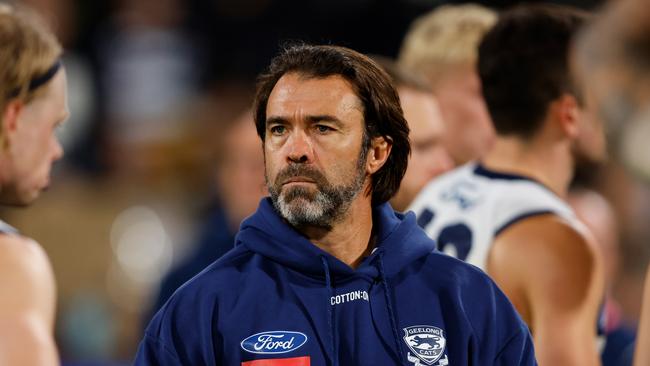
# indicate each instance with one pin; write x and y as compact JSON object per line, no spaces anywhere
{"x":349,"y":238}
{"x":549,"y":163}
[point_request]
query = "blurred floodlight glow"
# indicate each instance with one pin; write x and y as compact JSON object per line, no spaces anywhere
{"x":635,"y":149}
{"x":141,"y":245}
{"x":123,"y":292}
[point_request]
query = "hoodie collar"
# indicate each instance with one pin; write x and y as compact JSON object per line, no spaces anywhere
{"x":397,"y":236}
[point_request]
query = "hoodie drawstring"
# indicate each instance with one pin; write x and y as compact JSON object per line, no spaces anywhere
{"x":330,"y":319}
{"x":391,"y":312}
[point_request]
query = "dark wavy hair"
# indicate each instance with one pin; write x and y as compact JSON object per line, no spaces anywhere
{"x":524,"y":65}
{"x":382,"y":112}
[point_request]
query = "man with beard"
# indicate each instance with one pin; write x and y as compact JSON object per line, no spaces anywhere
{"x":33,"y":102}
{"x":325,"y":272}
{"x":506,"y":214}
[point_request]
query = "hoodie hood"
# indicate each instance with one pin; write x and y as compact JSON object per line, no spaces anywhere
{"x":398,"y":240}
{"x":277,"y":285}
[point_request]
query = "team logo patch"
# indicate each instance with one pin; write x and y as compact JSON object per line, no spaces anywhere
{"x":273,"y":342}
{"x":427,"y":342}
{"x":464,"y":193}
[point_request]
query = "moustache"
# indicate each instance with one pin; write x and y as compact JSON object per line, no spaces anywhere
{"x":302,"y":171}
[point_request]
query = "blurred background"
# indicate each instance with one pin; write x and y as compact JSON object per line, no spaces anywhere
{"x":162,"y":160}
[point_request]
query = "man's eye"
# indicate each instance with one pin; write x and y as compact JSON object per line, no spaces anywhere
{"x":277,"y":130}
{"x":323,"y":129}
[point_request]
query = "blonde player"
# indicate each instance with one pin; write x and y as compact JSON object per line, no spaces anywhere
{"x":32,"y":104}
{"x":443,"y":46}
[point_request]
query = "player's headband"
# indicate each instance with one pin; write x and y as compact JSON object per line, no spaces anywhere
{"x":40,"y":80}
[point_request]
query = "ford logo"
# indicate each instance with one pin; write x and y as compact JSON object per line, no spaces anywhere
{"x":276,"y":341}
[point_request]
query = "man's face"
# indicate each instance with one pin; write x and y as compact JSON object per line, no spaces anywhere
{"x":314,"y":157}
{"x":33,"y":145}
{"x":429,"y":157}
{"x":470,"y":133}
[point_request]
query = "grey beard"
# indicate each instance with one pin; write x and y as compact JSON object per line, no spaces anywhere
{"x":300,"y":206}
{"x":328,"y":205}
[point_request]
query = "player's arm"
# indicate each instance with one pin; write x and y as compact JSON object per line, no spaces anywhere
{"x":642,"y":351}
{"x":553,"y":275}
{"x":27,"y":304}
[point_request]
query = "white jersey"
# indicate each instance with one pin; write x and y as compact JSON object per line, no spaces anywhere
{"x":465,"y":209}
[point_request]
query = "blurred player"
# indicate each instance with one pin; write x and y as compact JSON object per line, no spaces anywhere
{"x":429,"y":157}
{"x":240,"y":182}
{"x":443,"y":46}
{"x":506,"y":214}
{"x":33,"y":103}
{"x":615,"y":54}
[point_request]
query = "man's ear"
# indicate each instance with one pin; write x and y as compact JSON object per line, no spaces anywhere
{"x":378,"y":154}
{"x":567,"y":111}
{"x":10,"y":117}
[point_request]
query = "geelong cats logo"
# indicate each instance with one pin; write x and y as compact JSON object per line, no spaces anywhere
{"x":428,"y":344}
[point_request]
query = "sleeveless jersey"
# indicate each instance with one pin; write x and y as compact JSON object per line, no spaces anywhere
{"x":465,"y":209}
{"x":7,"y":229}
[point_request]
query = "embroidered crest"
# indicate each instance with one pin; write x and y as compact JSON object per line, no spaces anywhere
{"x":427,"y":342}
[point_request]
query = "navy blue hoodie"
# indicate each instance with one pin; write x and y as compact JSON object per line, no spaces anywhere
{"x":278,"y":300}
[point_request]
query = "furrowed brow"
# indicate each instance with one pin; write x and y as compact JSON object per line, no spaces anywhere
{"x":324,"y":118}
{"x":275,"y":120}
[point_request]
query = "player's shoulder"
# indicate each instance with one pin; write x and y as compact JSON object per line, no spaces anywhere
{"x":26,"y":277}
{"x":545,"y":255}
{"x":547,"y":227}
{"x":548,"y":239}
{"x":23,"y":254}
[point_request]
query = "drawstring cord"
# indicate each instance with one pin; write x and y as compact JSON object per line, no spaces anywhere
{"x":331,"y":321}
{"x":391,"y":312}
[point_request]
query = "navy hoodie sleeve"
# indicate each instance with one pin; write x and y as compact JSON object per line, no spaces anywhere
{"x":152,"y":351}
{"x":181,"y":332}
{"x":499,"y":335}
{"x":177,"y":336}
{"x":503,"y":325}
{"x":518,"y":350}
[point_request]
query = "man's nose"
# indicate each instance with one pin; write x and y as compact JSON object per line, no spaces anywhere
{"x":300,"y":149}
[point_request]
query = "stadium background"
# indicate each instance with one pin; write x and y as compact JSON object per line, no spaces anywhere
{"x":152,"y":85}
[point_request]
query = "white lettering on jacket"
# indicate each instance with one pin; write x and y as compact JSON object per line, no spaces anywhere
{"x":350,"y":296}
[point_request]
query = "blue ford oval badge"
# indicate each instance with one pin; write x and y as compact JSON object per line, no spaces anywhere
{"x":275,"y":341}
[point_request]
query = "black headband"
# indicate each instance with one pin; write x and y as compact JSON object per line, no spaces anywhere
{"x":40,"y":80}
